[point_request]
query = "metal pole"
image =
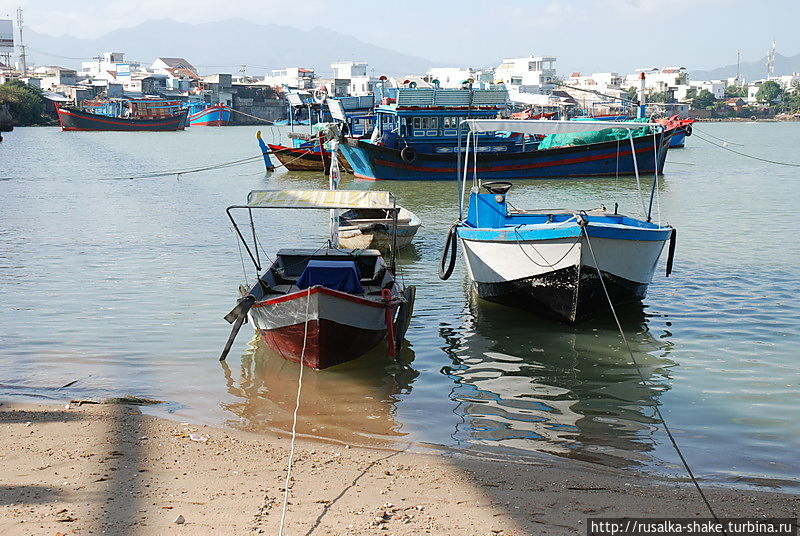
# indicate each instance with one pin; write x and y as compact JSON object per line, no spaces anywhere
{"x":458,"y":175}
{"x":255,"y":239}
{"x":394,"y":234}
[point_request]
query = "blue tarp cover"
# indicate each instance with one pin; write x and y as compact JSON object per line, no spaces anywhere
{"x":336,"y":275}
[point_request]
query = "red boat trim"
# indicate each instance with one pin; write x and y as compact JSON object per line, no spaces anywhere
{"x":364,"y":177}
{"x":515,"y":166}
{"x":207,"y":111}
{"x":323,"y":290}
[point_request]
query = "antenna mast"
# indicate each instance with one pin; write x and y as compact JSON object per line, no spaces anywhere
{"x":771,"y":61}
{"x":22,"y":62}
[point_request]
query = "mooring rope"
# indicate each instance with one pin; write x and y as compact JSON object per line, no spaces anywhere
{"x":584,"y":223}
{"x":294,"y":418}
{"x":178,"y":173}
{"x":251,"y":116}
{"x":722,"y":146}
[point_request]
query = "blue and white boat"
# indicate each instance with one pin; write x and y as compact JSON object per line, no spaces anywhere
{"x":563,"y":263}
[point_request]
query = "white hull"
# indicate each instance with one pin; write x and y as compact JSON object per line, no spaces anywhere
{"x":502,"y":261}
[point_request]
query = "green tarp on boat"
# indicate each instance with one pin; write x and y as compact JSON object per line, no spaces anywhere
{"x":585,"y":138}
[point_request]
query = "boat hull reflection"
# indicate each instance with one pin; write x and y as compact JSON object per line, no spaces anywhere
{"x":353,"y":403}
{"x":522,"y":383}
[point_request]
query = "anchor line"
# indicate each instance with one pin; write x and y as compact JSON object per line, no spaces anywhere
{"x":644,"y":381}
{"x":294,"y":417}
{"x":767,"y":160}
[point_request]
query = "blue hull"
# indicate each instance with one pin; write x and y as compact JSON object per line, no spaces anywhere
{"x":376,"y":162}
{"x":678,"y":139}
{"x":215,"y":116}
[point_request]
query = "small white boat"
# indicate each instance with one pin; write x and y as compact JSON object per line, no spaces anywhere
{"x":567,"y":264}
{"x":366,"y":228}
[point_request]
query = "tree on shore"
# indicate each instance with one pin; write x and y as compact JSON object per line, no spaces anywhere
{"x":768,"y":92}
{"x":731,"y":92}
{"x":25,"y":103}
{"x":664,"y":97}
{"x":704,"y":99}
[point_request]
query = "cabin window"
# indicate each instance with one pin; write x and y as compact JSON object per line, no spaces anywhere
{"x":417,"y":122}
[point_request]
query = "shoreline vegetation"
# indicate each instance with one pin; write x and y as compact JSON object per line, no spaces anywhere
{"x":109,"y":469}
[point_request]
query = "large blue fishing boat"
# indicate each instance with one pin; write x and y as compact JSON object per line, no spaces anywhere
{"x":416,"y":138}
{"x":206,"y":114}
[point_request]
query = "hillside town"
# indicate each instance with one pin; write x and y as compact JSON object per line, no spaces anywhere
{"x":532,"y":83}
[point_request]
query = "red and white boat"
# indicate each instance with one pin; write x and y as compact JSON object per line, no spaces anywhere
{"x":323,"y":307}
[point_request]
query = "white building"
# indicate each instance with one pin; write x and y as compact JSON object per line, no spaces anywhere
{"x":715,"y":87}
{"x":451,"y":77}
{"x":533,"y":72}
{"x":360,"y":82}
{"x":674,"y":80}
{"x":53,"y":76}
{"x":107,"y":65}
{"x":292,"y":77}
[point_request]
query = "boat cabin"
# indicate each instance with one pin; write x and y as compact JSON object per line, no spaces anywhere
{"x":427,"y":119}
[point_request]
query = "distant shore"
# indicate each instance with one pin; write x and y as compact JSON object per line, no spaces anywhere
{"x":108,"y":469}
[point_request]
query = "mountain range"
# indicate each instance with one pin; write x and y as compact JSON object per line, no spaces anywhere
{"x":225,"y":46}
{"x":750,"y":70}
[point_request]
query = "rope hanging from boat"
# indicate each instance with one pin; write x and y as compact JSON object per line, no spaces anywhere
{"x":252,"y":116}
{"x":584,"y":223}
{"x":294,"y":418}
{"x":767,"y":160}
{"x":157,"y":174}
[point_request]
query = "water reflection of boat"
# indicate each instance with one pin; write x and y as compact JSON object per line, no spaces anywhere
{"x":543,"y":386}
{"x":353,"y":403}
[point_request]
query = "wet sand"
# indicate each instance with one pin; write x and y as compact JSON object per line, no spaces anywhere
{"x":108,"y":469}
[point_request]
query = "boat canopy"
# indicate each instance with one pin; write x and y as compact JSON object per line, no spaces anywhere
{"x":332,"y":199}
{"x":545,"y":126}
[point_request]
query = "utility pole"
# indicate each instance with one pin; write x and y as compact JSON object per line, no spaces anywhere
{"x":22,"y":62}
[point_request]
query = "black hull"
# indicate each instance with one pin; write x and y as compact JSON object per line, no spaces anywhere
{"x":80,"y":120}
{"x":569,"y":295}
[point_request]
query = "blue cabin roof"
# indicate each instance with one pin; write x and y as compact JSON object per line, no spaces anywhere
{"x":409,"y":101}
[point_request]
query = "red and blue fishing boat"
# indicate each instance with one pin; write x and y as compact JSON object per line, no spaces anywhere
{"x":416,"y":138}
{"x":209,"y":115}
{"x":154,"y":115}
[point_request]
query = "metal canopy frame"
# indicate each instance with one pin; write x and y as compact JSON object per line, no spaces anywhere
{"x":254,"y":256}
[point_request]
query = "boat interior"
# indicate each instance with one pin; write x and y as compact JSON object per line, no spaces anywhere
{"x":372,"y":215}
{"x":361,"y":272}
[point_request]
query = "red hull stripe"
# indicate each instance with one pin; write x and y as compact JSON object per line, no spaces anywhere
{"x":323,"y":290}
{"x":513,"y":167}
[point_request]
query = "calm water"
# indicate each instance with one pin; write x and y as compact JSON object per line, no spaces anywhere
{"x":122,"y":285}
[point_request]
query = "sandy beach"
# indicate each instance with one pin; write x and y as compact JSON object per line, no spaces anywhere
{"x":109,"y":469}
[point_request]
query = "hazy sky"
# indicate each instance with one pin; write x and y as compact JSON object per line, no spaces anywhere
{"x":599,"y":35}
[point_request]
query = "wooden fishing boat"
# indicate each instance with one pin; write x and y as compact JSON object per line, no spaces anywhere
{"x":322,"y":307}
{"x":305,"y":157}
{"x":561,"y":263}
{"x":418,"y":139}
{"x":152,"y":115}
{"x":372,"y":228}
